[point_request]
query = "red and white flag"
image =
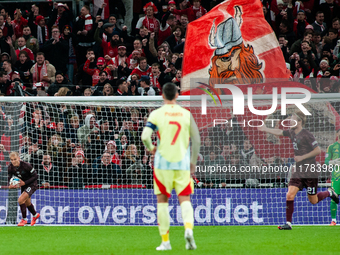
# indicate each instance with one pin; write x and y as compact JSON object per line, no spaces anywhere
{"x":233,"y":41}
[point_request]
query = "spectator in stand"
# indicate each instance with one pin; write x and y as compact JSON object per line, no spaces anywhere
{"x":82,"y":77}
{"x":333,"y":35}
{"x":177,"y":80}
{"x":60,"y":16}
{"x":145,"y":88}
{"x":330,"y":10}
{"x":24,"y":65}
{"x":56,"y":149}
{"x":159,"y":56}
{"x":61,"y":131}
{"x":48,"y":173}
{"x":84,"y":28}
{"x":107,"y":172}
{"x":42,"y":71}
{"x":79,"y":174}
{"x":72,"y":41}
{"x":142,"y":69}
{"x":40,"y":30}
{"x":5,"y":43}
{"x":60,"y":82}
{"x":176,"y":39}
{"x":319,"y":25}
{"x":194,"y":12}
{"x":72,"y":129}
{"x":111,"y":147}
{"x":56,"y":51}
{"x":101,"y":66}
{"x":108,"y":90}
{"x":18,"y":23}
{"x":133,"y":59}
{"x":296,"y":47}
{"x":133,"y":91}
{"x":285,"y":30}
{"x":184,"y":21}
{"x":106,"y":133}
{"x":130,"y":157}
{"x":84,"y":131}
{"x":300,"y":24}
{"x":4,"y":82}
{"x":22,"y":47}
{"x":149,"y":20}
{"x":31,"y":41}
{"x":123,"y":143}
{"x":122,"y":88}
{"x":213,"y":159}
{"x":7,"y":67}
{"x":109,"y":48}
{"x":6,"y":28}
{"x":318,"y":44}
{"x":168,"y":21}
{"x":336,"y":25}
{"x":87,"y":92}
{"x":158,"y":78}
{"x":283,"y":45}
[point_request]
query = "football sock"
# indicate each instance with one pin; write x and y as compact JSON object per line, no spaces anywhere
{"x":322,"y":195}
{"x":334,"y":210}
{"x":187,"y":214}
{"x":163,"y":220}
{"x":289,"y":210}
{"x":23,"y":210}
{"x":31,"y":209}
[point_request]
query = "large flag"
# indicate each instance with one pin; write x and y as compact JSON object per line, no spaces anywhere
{"x":233,"y":41}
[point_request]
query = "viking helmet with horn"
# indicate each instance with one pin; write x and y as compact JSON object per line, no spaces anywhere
{"x":227,"y":35}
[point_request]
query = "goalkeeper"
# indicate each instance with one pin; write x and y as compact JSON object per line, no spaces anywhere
{"x":333,"y":158}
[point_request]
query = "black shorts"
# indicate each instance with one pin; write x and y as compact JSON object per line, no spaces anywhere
{"x":311,"y":184}
{"x":29,"y":189}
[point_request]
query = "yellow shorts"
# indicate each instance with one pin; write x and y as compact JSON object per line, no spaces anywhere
{"x":167,"y":180}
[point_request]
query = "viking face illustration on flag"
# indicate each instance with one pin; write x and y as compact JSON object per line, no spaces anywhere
{"x":233,"y":61}
{"x":233,"y":43}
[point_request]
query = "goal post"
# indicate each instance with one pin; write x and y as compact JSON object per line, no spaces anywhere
{"x":95,"y":169}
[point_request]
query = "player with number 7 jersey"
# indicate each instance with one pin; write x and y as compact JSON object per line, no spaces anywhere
{"x":175,"y":127}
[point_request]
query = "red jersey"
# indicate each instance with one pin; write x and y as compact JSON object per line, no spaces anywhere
{"x":140,"y":72}
{"x":95,"y":72}
{"x":29,"y":52}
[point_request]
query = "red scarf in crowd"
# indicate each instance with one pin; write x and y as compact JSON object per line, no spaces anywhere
{"x":47,"y":168}
{"x":37,"y":77}
{"x":154,"y":81}
{"x":151,"y":24}
{"x":88,"y":22}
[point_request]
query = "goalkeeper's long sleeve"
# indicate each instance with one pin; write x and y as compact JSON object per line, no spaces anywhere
{"x":146,"y":138}
{"x":195,"y":140}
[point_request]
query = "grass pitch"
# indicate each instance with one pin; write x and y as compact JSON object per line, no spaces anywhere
{"x":143,"y":240}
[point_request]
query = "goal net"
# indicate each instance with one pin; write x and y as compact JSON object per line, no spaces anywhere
{"x":94,"y":169}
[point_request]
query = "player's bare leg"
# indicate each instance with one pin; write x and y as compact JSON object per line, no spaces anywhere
{"x":290,"y":196}
{"x":32,"y":210}
{"x":22,"y":203}
{"x":188,"y":220}
{"x":163,"y":219}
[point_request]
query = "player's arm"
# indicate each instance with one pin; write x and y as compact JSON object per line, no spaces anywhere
{"x":311,"y":154}
{"x":146,"y":136}
{"x":272,"y":131}
{"x":195,"y":143}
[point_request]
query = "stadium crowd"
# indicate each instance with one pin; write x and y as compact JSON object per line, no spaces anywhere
{"x":58,"y":54}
